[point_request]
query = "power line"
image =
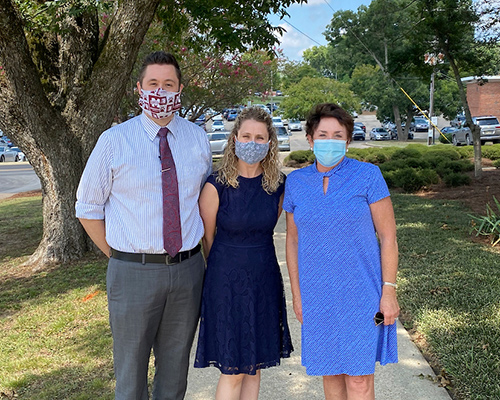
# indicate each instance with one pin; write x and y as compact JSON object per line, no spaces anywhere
{"x":328,"y":4}
{"x":298,"y":30}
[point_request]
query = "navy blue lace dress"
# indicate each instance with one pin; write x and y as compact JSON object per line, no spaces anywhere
{"x":243,"y":324}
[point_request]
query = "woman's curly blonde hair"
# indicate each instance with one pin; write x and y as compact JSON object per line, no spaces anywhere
{"x":228,"y":167}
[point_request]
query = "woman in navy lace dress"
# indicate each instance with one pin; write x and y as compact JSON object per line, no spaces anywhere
{"x":243,"y":326}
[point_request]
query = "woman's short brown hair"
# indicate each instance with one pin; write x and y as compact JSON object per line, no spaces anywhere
{"x":329,"y":110}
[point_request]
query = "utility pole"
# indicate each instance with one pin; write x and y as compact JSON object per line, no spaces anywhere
{"x":272,"y":101}
{"x":431,"y":108}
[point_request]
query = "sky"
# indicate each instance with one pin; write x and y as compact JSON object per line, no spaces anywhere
{"x":311,"y":19}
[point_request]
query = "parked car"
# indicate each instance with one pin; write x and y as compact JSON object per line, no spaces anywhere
{"x":218,"y":142}
{"x":358,"y":133}
{"x":200,"y":121}
{"x":283,"y":139}
{"x":448,"y":129}
{"x":294,"y":125}
{"x":421,"y":125}
{"x":272,"y":107}
{"x":490,"y":128}
{"x":19,"y":154}
{"x":218,"y":125}
{"x":361,"y":125}
{"x":263,"y":107}
{"x":394,"y":133}
{"x":462,"y":136}
{"x":379,"y":134}
{"x":232,"y":115}
{"x":7,"y":154}
{"x":277,"y":122}
{"x":458,"y":121}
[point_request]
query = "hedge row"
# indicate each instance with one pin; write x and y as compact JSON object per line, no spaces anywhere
{"x":415,"y":166}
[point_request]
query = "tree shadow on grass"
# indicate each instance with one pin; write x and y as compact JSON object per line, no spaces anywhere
{"x":16,"y":291}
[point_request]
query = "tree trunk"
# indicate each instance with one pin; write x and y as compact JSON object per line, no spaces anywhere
{"x":58,"y":129}
{"x":475,"y":130}
{"x":63,"y":237}
{"x":397,"y":121}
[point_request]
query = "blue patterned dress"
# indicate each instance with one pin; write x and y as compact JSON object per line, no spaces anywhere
{"x":339,"y":268}
{"x":243,"y":325}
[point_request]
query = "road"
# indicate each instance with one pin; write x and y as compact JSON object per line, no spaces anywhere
{"x":17,"y":177}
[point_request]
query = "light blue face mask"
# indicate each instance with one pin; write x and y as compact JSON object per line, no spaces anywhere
{"x":251,"y":152}
{"x":329,"y":152}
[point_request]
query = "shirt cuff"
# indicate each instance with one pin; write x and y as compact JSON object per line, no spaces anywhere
{"x":89,"y":211}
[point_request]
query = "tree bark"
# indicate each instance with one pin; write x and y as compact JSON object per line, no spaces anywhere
{"x":475,"y":130}
{"x":59,"y":132}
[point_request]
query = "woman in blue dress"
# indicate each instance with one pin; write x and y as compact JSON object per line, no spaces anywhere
{"x":243,"y":326}
{"x":342,"y":259}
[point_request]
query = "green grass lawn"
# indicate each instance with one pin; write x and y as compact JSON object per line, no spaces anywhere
{"x":55,"y":341}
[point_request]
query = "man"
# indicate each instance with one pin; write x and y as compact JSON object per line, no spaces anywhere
{"x":138,"y":201}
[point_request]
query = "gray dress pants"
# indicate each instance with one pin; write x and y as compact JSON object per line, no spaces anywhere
{"x":153,"y":306}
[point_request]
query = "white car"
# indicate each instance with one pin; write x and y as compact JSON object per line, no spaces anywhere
{"x":6,"y":154}
{"x":218,"y":125}
{"x":277,"y":122}
{"x":20,"y":155}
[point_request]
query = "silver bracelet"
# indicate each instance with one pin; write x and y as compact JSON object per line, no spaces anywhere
{"x":394,"y":285}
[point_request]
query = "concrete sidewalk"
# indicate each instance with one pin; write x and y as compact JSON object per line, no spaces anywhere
{"x":410,"y":379}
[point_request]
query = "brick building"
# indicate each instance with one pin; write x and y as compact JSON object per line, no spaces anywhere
{"x":483,"y":95}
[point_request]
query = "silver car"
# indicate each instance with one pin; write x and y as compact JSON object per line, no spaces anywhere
{"x":379,"y":134}
{"x":490,"y":130}
{"x":283,"y":138}
{"x":218,"y":141}
{"x":6,"y":154}
{"x":294,"y":125}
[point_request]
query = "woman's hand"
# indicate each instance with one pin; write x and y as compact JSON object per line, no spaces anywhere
{"x":297,"y":308}
{"x":389,"y":305}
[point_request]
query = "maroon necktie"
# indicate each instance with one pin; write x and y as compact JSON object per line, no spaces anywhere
{"x":172,"y":239}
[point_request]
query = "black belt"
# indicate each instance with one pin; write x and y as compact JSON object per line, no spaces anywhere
{"x":144,"y":258}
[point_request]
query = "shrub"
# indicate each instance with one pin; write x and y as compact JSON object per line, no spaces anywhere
{"x":407,"y":152}
{"x":354,"y":156}
{"x":392,"y":165}
{"x":300,"y":156}
{"x":389,"y":178}
{"x":496,"y":164}
{"x":447,"y":167}
{"x":434,"y":158}
{"x":447,"y":152}
{"x":417,"y":163}
{"x":491,"y":152}
{"x":428,"y":176}
{"x":408,"y":179}
{"x":465,"y":151}
{"x":454,"y":179}
{"x":376,"y":158}
{"x":446,"y":139}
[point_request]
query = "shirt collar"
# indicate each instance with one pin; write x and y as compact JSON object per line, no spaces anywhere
{"x":334,"y":170}
{"x":152,"y":127}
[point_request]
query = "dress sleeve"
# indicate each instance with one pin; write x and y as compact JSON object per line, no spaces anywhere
{"x":288,"y":203}
{"x":377,"y":187}
{"x":212,"y":178}
{"x":281,"y":187}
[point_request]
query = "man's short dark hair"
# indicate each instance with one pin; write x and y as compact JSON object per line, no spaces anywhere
{"x":329,"y":110}
{"x":161,"y":58}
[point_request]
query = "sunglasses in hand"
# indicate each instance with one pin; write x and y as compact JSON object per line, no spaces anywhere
{"x":378,"y":318}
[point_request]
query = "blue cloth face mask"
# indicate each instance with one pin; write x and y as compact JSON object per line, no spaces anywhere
{"x":250,"y":152}
{"x":329,"y":152}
